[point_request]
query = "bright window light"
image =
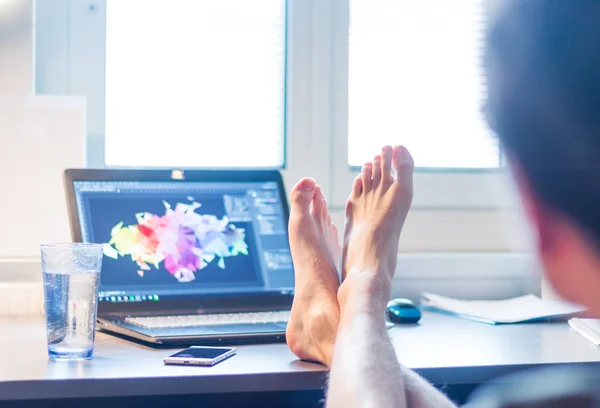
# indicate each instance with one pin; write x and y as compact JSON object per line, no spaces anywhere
{"x":195,"y":83}
{"x":415,"y":78}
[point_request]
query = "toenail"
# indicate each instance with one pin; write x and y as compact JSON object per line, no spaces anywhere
{"x":308,"y":185}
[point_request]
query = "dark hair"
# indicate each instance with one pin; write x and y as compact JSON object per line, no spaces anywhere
{"x":542,"y":64}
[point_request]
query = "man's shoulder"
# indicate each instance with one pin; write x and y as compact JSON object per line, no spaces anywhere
{"x":558,"y":387}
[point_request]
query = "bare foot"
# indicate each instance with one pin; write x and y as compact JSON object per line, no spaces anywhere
{"x":316,"y":251}
{"x":375,"y":214}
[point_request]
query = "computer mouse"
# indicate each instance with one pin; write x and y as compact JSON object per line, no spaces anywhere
{"x":403,"y":311}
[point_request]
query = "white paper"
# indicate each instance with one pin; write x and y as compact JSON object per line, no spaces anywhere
{"x":588,"y":328}
{"x":515,"y":310}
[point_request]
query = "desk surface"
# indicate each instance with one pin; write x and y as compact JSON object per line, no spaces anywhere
{"x":444,"y":349}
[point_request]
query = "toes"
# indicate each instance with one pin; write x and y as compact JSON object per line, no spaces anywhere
{"x":376,"y":170}
{"x":302,"y":195}
{"x":403,"y":166}
{"x":386,"y":163}
{"x":366,"y":176}
{"x":319,"y":206}
{"x":357,"y":186}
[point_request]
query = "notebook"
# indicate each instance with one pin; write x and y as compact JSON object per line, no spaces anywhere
{"x":528,"y":308}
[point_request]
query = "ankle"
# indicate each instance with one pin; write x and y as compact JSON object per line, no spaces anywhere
{"x":372,"y":262}
{"x":364,"y":292}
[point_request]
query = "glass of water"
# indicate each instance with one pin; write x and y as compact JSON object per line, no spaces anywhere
{"x":71,"y":277}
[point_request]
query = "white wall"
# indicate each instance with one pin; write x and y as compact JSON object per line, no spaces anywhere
{"x":40,"y":136}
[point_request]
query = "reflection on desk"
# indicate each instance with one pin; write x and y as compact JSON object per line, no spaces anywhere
{"x":444,"y":349}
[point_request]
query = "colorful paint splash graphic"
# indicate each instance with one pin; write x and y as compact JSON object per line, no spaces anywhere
{"x":183,"y":240}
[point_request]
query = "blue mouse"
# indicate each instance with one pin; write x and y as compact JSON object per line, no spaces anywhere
{"x":403,"y":311}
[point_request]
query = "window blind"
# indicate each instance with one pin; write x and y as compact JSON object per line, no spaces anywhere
{"x":415,"y":78}
{"x":195,"y":83}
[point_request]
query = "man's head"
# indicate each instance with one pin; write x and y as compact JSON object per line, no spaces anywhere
{"x":543,"y":69}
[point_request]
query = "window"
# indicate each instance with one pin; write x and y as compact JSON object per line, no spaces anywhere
{"x":415,"y":78}
{"x":409,"y":72}
{"x":317,"y":86}
{"x":195,"y":83}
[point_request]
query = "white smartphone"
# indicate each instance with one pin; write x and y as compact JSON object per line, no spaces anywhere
{"x":199,"y":355}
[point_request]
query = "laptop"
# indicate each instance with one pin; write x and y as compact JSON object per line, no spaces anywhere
{"x":190,"y":257}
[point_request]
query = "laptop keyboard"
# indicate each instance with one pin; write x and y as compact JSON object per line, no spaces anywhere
{"x":160,"y":322}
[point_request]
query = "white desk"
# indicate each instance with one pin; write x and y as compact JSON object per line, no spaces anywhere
{"x":444,"y":349}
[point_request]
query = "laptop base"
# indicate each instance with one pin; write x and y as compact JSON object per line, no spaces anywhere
{"x":208,"y":336}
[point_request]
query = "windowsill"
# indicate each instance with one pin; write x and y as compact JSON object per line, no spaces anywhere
{"x":466,"y":275}
{"x":20,"y":269}
{"x":411,"y":266}
{"x":462,"y":275}
{"x":465,"y":265}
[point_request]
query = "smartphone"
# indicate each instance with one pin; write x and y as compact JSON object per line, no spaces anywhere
{"x":199,"y":355}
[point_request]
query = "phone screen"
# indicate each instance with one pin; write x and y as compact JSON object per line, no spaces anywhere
{"x":201,"y":352}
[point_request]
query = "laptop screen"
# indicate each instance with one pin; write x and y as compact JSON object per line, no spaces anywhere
{"x":181,"y":239}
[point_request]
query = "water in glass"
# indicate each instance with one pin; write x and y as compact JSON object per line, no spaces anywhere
{"x":71,"y":279}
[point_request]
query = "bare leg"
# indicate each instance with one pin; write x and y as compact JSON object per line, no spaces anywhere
{"x":315,"y":251}
{"x":365,"y":370}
